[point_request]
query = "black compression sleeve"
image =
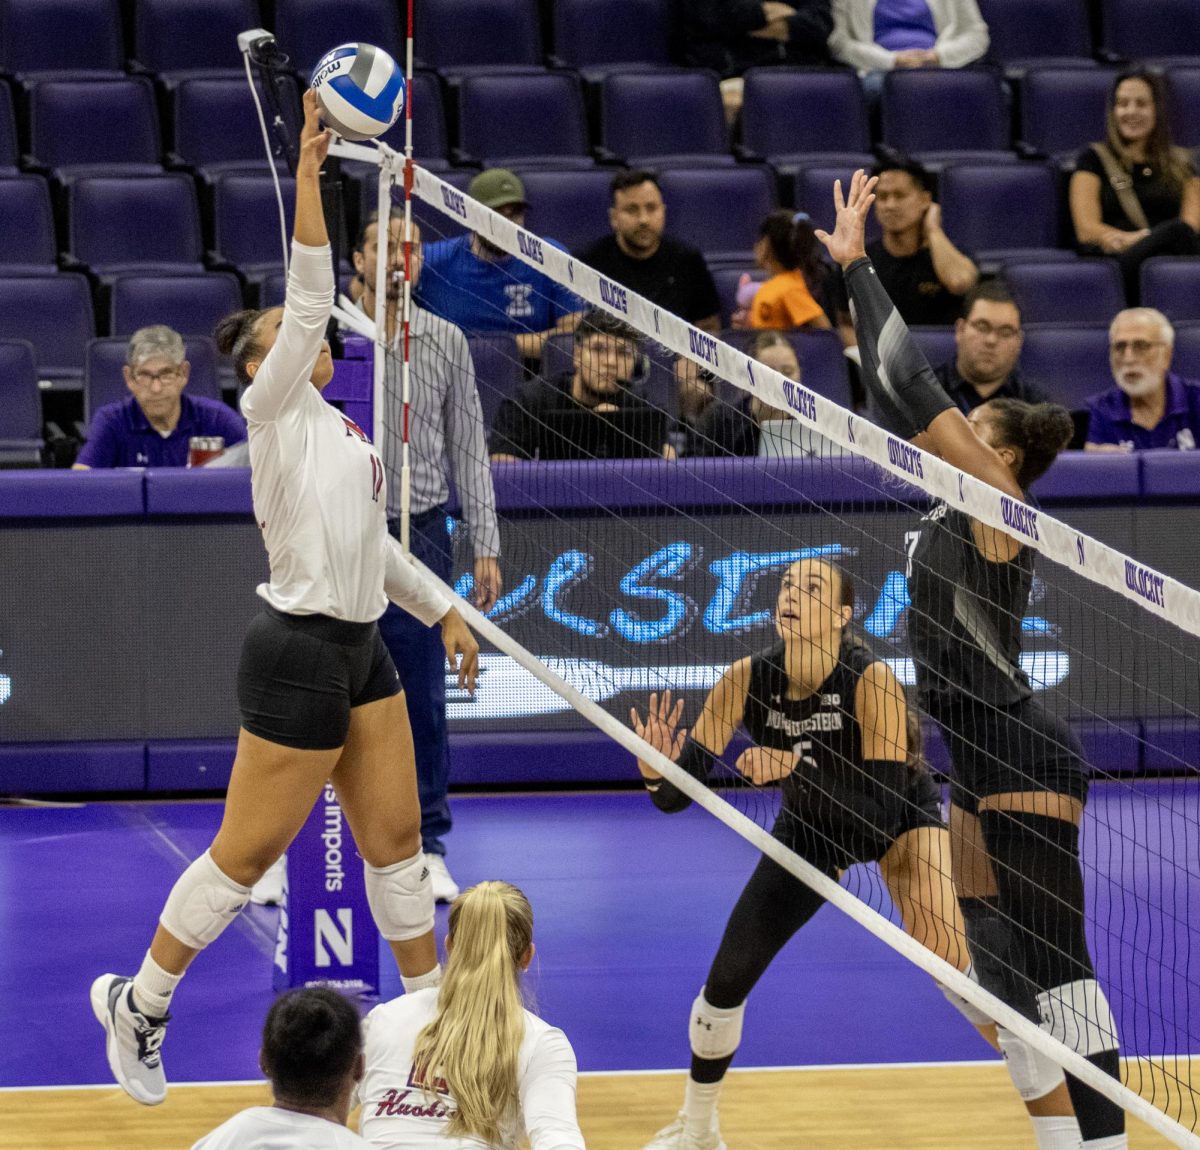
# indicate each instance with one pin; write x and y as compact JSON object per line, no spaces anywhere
{"x":898,"y":378}
{"x":693,"y":759}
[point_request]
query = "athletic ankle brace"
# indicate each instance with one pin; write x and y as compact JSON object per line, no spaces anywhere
{"x":401,"y":898}
{"x":202,"y":903}
{"x":715,"y":1033}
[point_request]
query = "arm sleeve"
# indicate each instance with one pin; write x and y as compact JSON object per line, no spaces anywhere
{"x":101,"y":447}
{"x":900,"y":384}
{"x":405,"y":587}
{"x":846,"y":42}
{"x":468,"y":449}
{"x":698,"y":762}
{"x":547,"y":1092}
{"x":288,"y":365}
{"x":965,"y":37}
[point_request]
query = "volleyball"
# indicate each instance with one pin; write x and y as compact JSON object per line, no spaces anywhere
{"x":360,"y":89}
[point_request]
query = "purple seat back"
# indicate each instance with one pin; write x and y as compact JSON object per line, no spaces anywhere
{"x":930,"y":110}
{"x":718,"y":210}
{"x":192,"y":35}
{"x":141,"y":221}
{"x":19,"y":396}
{"x":101,"y":123}
{"x":1032,"y":29}
{"x":569,"y":207}
{"x":992,"y":207}
{"x":595,"y":33}
{"x":649,"y":114}
{"x":307,"y":29}
{"x":1083,"y":291}
{"x":792,"y":111}
{"x":60,"y":36}
{"x":54,"y":313}
{"x":522,"y":117}
{"x":26,"y":225}
{"x":1172,"y":284}
{"x":191,"y":304}
{"x":1068,"y":363}
{"x":1062,"y":109}
{"x":478,"y":33}
{"x":1140,"y":29}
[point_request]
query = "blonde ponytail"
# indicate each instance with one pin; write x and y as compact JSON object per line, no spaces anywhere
{"x":474,"y":1039}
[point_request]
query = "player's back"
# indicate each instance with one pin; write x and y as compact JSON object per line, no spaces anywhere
{"x":270,"y":1128}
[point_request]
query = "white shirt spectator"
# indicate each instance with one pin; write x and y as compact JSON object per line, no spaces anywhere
{"x":398,"y":1114}
{"x":270,"y":1128}
{"x":962,"y":35}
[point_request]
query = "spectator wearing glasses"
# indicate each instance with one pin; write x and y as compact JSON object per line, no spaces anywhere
{"x":987,"y":340}
{"x":483,"y":290}
{"x":1151,"y":406}
{"x":152,"y":427}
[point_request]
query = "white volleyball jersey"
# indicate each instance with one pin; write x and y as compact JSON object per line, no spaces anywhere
{"x":398,"y":1114}
{"x":319,"y":488}
{"x":269,"y":1128}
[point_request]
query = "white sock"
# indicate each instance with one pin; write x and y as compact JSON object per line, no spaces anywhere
{"x":700,"y":1105}
{"x":422,"y":981}
{"x":1116,"y":1142}
{"x":153,"y":987}
{"x":1057,"y":1132}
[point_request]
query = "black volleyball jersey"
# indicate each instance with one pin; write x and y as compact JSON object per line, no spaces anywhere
{"x":821,"y":730}
{"x":964,"y":625}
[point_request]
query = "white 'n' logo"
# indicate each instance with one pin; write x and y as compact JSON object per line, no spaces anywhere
{"x":328,"y":935}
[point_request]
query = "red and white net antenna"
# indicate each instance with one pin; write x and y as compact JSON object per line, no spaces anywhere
{"x":406,"y":302}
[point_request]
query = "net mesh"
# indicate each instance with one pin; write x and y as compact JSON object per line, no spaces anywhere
{"x":694,"y":529}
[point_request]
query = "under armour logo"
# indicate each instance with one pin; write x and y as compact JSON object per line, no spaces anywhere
{"x":706,"y":1025}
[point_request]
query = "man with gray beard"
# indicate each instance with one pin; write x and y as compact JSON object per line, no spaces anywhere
{"x":1151,"y":406}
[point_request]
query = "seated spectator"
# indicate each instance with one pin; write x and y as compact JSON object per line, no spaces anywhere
{"x":787,"y":250}
{"x":483,"y":290}
{"x":708,"y":425}
{"x":987,"y":340}
{"x":923,"y":272}
{"x":876,"y":36}
{"x":1135,"y":195}
{"x":465,"y":1064}
{"x":312,"y":1053}
{"x":729,"y":36}
{"x":588,"y":412}
{"x":1151,"y":406}
{"x":779,"y":434}
{"x":153,"y":426}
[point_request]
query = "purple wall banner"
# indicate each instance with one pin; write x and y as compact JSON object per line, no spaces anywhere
{"x":326,"y":934}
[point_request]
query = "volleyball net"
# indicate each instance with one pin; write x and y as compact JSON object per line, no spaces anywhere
{"x":658,"y":491}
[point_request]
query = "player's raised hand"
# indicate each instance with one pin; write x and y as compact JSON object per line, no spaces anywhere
{"x":314,"y":140}
{"x":848,"y":241}
{"x":660,"y":730}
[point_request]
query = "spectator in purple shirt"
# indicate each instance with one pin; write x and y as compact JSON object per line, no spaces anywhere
{"x":152,"y":427}
{"x":1151,"y":407}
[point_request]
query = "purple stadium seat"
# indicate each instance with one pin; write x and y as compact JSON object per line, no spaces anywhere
{"x":1184,"y":85}
{"x":813,"y":193}
{"x":48,"y":37}
{"x":272,"y":290}
{"x":1186,"y":359}
{"x":498,"y":372}
{"x":569,"y":207}
{"x":149,"y":224}
{"x":1062,"y":109}
{"x":1158,"y":29}
{"x":936,"y":344}
{"x":1081,"y":291}
{"x":803,"y":116}
{"x":1068,"y":363}
{"x":598,"y":36}
{"x":55,"y":314}
{"x":104,"y":382}
{"x":216,"y":127}
{"x":993,"y":209}
{"x":459,"y":37}
{"x":719,"y":209}
{"x":664,"y":117}
{"x":532,"y":120}
{"x":21,"y":402}
{"x":1025,"y":33}
{"x":430,"y":141}
{"x":726,"y":280}
{"x":176,"y":37}
{"x":307,"y":29}
{"x":26,"y":227}
{"x":9,"y":151}
{"x":191,"y":304}
{"x":107,"y":127}
{"x":939,"y":113}
{"x":246,"y":223}
{"x":822,"y":364}
{"x":1172,"y":285}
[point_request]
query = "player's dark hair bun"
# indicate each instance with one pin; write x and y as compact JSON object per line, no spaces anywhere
{"x":1039,"y":430}
{"x":234,"y":336}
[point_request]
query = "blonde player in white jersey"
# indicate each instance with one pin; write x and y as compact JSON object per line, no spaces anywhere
{"x":318,"y":694}
{"x":466,"y":1066}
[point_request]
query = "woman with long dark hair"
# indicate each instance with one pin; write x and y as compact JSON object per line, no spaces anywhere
{"x":1020,"y":779}
{"x":791,"y":297}
{"x":830,"y":724}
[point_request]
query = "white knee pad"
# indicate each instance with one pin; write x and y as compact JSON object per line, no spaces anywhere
{"x":715,"y":1033}
{"x":202,"y":903}
{"x":1033,"y":1073}
{"x":1078,"y":1015}
{"x":401,"y":898}
{"x":972,"y":1013}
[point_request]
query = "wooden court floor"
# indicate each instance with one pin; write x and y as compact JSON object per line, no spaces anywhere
{"x":955,"y":1107}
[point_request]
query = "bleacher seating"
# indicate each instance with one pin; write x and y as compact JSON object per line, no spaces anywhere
{"x":54,"y":313}
{"x":498,"y":371}
{"x":1076,"y":291}
{"x":1000,"y":211}
{"x":599,"y":36}
{"x":9,"y":149}
{"x":1162,"y":30}
{"x":61,"y":37}
{"x":460,"y":37}
{"x":246,"y":223}
{"x":664,"y":117}
{"x":937,"y":115}
{"x":1068,"y":361}
{"x":216,"y":128}
{"x":569,"y":207}
{"x":21,"y":437}
{"x":1184,"y":87}
{"x":1028,"y":33}
{"x":1063,"y":109}
{"x":191,"y":304}
{"x":1172,"y":284}
{"x":178,"y":38}
{"x":307,"y":29}
{"x":533,"y":120}
{"x":26,"y":227}
{"x":719,"y":210}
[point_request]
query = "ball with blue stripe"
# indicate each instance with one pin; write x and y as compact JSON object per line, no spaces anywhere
{"x":360,"y":89}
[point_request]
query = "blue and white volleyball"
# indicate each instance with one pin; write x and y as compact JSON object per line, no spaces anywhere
{"x":360,"y":89}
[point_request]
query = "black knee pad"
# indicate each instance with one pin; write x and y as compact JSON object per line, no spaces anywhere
{"x":997,"y":961}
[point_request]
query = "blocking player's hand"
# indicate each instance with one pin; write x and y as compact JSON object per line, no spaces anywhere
{"x":462,"y":649}
{"x":763,"y":765}
{"x":847,"y":242}
{"x":660,"y":729}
